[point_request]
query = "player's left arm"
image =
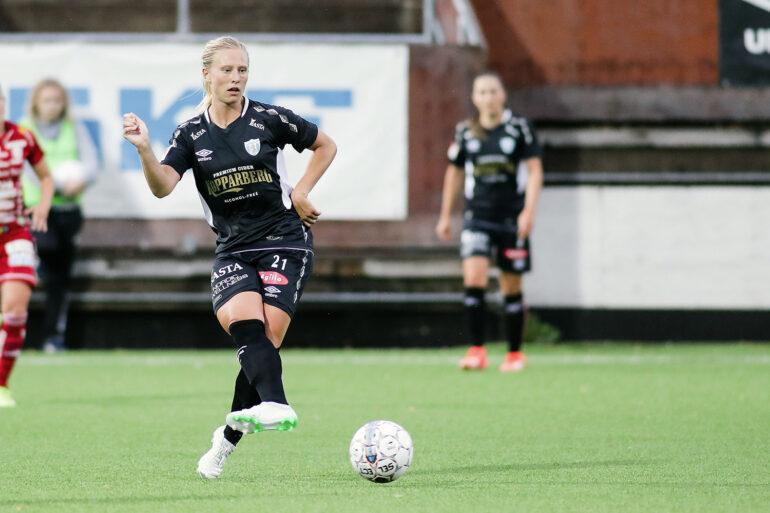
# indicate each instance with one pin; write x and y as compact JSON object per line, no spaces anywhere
{"x":39,"y":212}
{"x":324,"y":149}
{"x":526,"y":219}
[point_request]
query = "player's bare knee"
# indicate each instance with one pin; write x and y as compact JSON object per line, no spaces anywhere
{"x":510,"y":283}
{"x":475,"y":279}
{"x":475,"y":283}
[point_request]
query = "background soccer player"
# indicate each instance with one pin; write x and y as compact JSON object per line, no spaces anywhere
{"x":17,"y":251}
{"x":67,"y":147}
{"x":264,"y":250}
{"x":500,"y":201}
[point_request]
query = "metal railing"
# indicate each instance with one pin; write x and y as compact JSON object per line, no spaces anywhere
{"x":434,"y":31}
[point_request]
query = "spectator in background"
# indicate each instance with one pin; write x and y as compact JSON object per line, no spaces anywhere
{"x":71,"y":154}
{"x":486,"y":160}
{"x":17,"y":252}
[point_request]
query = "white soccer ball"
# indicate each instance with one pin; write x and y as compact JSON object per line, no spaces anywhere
{"x":67,"y":172}
{"x":381,"y":451}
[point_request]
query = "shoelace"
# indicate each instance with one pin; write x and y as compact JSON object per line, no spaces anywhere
{"x":224,"y":451}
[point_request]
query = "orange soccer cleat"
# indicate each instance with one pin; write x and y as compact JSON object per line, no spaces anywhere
{"x":475,"y":358}
{"x":514,"y":362}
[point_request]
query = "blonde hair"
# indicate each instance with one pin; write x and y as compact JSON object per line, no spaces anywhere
{"x":32,"y":109}
{"x":207,"y":59}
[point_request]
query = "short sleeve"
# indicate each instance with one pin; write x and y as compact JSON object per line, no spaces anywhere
{"x":35,"y":152}
{"x":292,"y":129}
{"x":179,"y":154}
{"x":531,"y":147}
{"x":456,"y":151}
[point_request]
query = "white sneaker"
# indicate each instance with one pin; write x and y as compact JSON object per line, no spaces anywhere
{"x":269,"y":415}
{"x":6,"y":399}
{"x":212,"y":463}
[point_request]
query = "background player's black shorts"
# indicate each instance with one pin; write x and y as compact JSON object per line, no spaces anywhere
{"x":505,"y":249}
{"x":278,"y":275}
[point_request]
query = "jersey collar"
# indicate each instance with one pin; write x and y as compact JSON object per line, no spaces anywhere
{"x":243,"y":111}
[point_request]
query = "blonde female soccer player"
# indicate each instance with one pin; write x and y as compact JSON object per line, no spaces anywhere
{"x":264,"y":252}
{"x":500,"y":201}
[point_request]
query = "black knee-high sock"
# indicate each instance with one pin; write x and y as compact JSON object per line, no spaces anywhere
{"x":475,"y":314}
{"x":513,"y":313}
{"x":259,"y":359}
{"x":244,"y":396}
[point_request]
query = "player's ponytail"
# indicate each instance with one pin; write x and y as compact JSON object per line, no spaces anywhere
{"x":474,"y":125}
{"x":207,"y":59}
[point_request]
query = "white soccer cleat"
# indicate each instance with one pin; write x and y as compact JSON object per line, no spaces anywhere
{"x":6,"y":399}
{"x":211,"y":464}
{"x":263,"y":416}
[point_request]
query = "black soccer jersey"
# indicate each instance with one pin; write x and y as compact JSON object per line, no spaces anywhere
{"x":241,"y":176}
{"x":494,"y":193}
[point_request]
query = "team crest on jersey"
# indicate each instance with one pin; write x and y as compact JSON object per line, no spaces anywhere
{"x":507,"y":144}
{"x":252,"y":146}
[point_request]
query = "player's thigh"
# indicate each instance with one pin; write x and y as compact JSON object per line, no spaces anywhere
{"x":283,"y":273}
{"x":249,"y":305}
{"x":476,"y":271}
{"x":513,"y":255}
{"x":17,"y":270}
{"x":475,"y":250}
{"x":14,"y":296}
{"x":235,"y":291}
{"x":243,"y":306}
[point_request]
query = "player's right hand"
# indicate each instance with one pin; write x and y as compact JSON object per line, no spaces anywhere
{"x":39,"y":218}
{"x":134,"y":130}
{"x":444,"y":228}
{"x":307,"y":212}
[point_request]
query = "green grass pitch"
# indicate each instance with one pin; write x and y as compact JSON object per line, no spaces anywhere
{"x":586,"y":428}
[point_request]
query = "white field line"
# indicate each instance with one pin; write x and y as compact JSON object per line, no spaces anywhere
{"x":400,"y":358}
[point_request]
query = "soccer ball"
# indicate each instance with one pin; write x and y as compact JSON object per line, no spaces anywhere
{"x":67,"y":172}
{"x":381,"y":451}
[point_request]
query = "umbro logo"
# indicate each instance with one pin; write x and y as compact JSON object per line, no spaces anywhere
{"x":203,"y":154}
{"x":273,"y":290}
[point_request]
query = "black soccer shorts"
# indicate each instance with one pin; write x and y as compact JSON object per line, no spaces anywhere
{"x":278,"y":275}
{"x":506,"y":250}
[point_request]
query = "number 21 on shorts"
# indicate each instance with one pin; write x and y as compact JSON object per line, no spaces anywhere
{"x":278,"y":263}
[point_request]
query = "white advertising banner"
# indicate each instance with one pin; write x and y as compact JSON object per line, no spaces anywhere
{"x":358,"y":94}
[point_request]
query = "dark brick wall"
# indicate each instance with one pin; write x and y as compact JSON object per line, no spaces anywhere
{"x":601,"y":42}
